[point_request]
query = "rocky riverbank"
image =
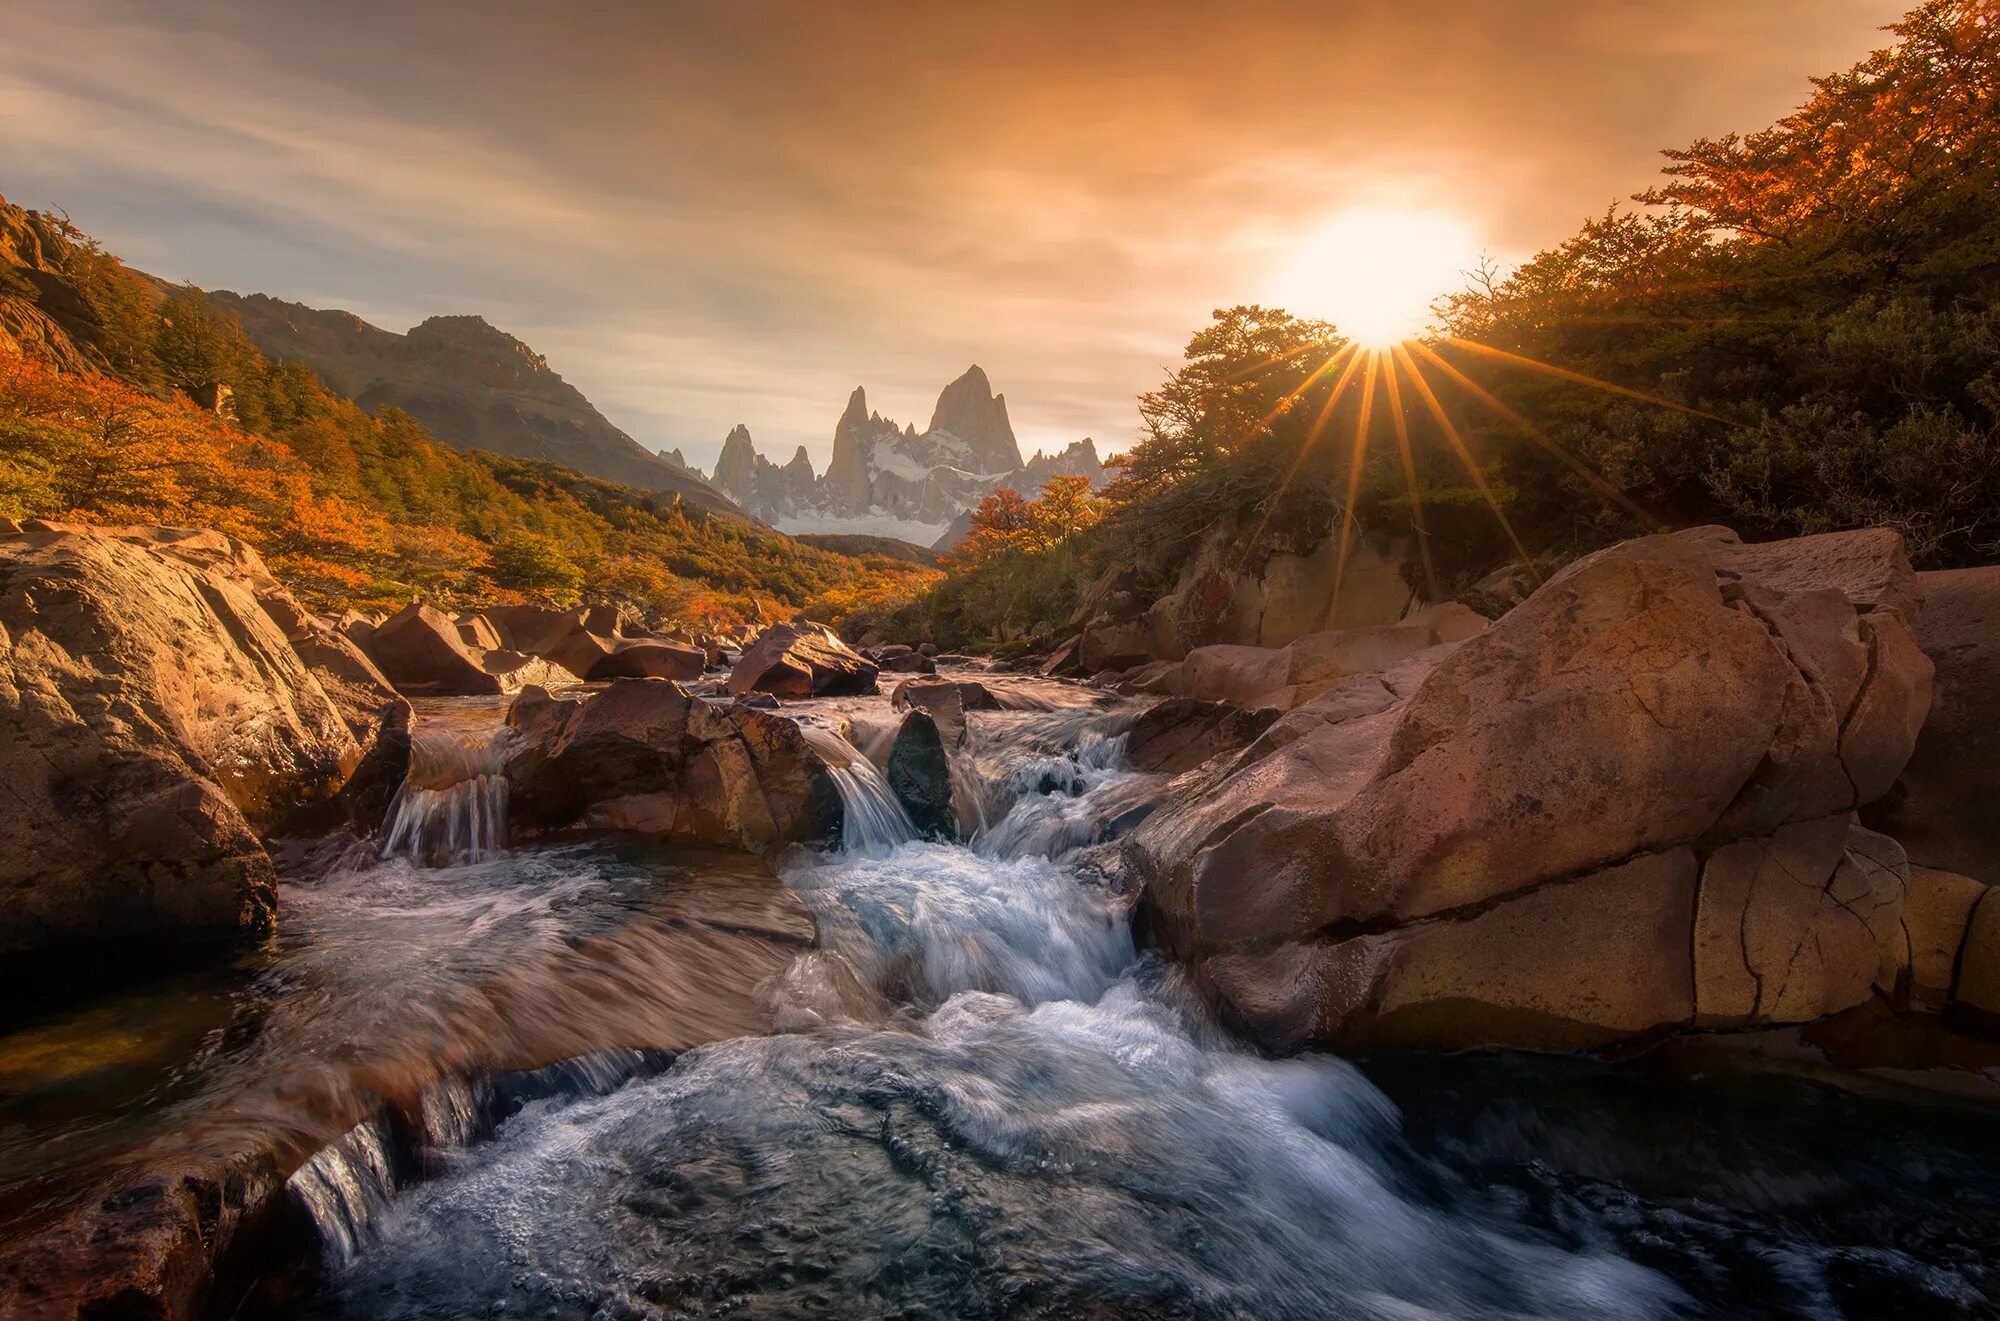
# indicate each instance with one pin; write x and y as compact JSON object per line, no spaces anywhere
{"x":1687,"y":790}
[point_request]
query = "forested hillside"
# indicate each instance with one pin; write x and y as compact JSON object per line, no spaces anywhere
{"x":1797,"y":331}
{"x":110,"y":412}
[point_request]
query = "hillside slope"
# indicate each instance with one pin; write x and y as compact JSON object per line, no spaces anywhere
{"x":471,"y":385}
{"x":121,"y":403}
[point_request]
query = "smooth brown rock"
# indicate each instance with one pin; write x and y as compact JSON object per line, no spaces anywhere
{"x":650,"y":659}
{"x":799,"y":660}
{"x":420,"y":651}
{"x":532,"y":629}
{"x":154,"y":722}
{"x":478,"y":633}
{"x":910,"y":662}
{"x":1937,"y":915}
{"x":1975,"y":995}
{"x":644,"y":756}
{"x":516,"y":670}
{"x":1942,"y":808}
{"x":1287,"y":677}
{"x":1180,"y":734}
{"x":1648,"y":699}
{"x":1583,"y":963}
{"x":1804,"y":923}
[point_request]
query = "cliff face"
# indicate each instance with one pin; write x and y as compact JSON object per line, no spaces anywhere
{"x":42,"y":314}
{"x":473,"y":385}
{"x":881,"y":472}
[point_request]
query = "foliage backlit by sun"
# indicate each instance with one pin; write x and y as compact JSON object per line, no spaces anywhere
{"x":1375,"y":273}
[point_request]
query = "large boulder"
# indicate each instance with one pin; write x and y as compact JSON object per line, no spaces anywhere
{"x":1659,"y":751}
{"x":1289,"y":676}
{"x":919,"y":774}
{"x":532,"y":629}
{"x":420,"y":650}
{"x":1942,"y":808}
{"x":650,"y":658}
{"x":644,"y":756}
{"x":802,"y":659}
{"x":155,"y":723}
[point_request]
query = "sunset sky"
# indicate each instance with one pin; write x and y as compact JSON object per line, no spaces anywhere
{"x":707,"y":214}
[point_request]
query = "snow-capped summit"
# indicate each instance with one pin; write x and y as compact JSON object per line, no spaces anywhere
{"x":896,"y":480}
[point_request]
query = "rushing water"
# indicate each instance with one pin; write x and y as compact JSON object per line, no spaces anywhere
{"x":983,"y":1101}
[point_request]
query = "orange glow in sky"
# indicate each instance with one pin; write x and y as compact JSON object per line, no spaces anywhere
{"x":1374,"y":272}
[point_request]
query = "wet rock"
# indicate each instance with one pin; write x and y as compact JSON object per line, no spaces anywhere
{"x":919,"y":773}
{"x":421,"y":652}
{"x":910,"y":662}
{"x":928,"y":648}
{"x":155,"y":721}
{"x":802,"y":659}
{"x":1652,"y":698}
{"x":644,"y":756}
{"x":1180,"y":733}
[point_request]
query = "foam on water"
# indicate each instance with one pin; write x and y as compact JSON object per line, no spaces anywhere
{"x":1045,"y":1129}
{"x":452,"y":807}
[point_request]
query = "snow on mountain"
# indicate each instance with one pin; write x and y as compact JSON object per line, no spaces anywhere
{"x":898,"y":481}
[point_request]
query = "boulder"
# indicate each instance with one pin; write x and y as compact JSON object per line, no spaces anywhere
{"x":532,"y":629}
{"x":1286,"y":677}
{"x":1156,"y":678}
{"x":1937,"y":914}
{"x":646,"y":757}
{"x":1975,"y":993}
{"x":919,"y":774}
{"x":478,"y":633}
{"x":155,"y":722}
{"x":607,"y":621}
{"x":802,"y":659}
{"x":516,"y":670}
{"x":928,"y":648}
{"x":649,"y":659}
{"x":421,"y":652}
{"x":909,"y":662}
{"x":1064,"y":661}
{"x":1942,"y":807}
{"x":1180,"y":734}
{"x":578,"y":650}
{"x":358,"y":626}
{"x":1119,"y":645}
{"x":926,"y":693}
{"x":1653,"y":700}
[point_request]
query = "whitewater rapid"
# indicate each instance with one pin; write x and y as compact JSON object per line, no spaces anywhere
{"x":991,"y":1105}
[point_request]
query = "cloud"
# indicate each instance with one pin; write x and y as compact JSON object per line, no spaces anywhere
{"x":708,"y":214}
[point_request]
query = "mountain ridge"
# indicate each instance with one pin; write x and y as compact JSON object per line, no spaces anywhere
{"x":880,"y":473}
{"x":469,"y":383}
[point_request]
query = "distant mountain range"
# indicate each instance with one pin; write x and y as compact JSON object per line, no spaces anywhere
{"x":470,"y":384}
{"x":477,"y":387}
{"x":898,"y":481}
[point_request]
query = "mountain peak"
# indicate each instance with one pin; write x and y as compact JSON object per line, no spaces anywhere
{"x":970,"y":410}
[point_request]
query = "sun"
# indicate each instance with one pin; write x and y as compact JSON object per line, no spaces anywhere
{"x":1375,"y":272}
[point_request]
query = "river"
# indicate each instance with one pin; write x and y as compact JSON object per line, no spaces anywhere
{"x":975,"y":1097}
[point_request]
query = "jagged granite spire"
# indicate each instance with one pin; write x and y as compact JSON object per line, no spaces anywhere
{"x":970,"y":410}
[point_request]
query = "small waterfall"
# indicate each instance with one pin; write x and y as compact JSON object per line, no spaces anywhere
{"x":871,"y":818}
{"x":345,"y":1187}
{"x":453,"y":803}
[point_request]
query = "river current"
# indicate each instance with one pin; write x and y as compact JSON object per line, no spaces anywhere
{"x":983,"y":1100}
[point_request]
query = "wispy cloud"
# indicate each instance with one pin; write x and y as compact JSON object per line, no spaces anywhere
{"x":708,"y":214}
